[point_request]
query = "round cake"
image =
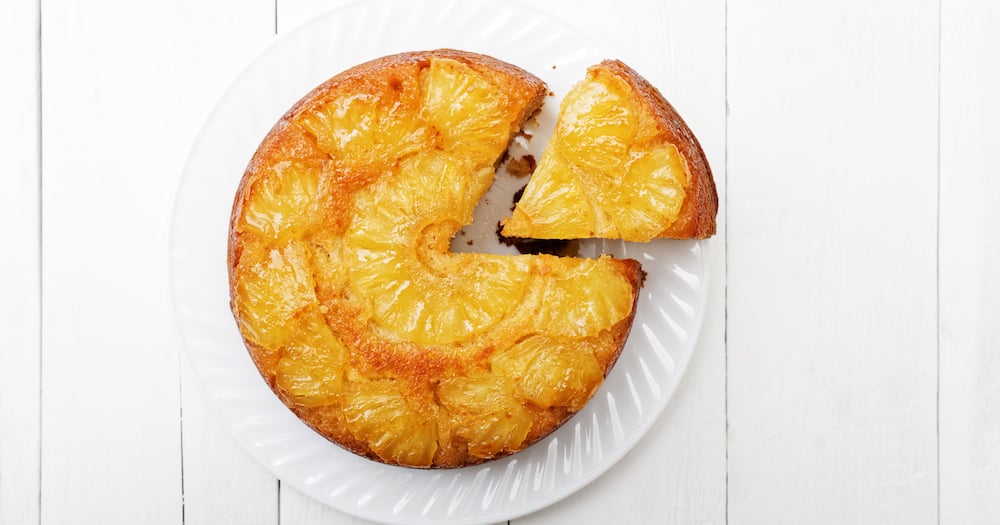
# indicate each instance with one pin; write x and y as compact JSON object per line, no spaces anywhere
{"x":353,"y":307}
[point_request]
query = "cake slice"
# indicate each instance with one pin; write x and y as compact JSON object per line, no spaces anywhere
{"x":621,"y":164}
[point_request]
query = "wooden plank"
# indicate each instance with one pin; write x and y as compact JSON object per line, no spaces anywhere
{"x":969,"y":258}
{"x":222,"y":483}
{"x":297,"y":508}
{"x":19,"y":268}
{"x":126,"y":87}
{"x":832,"y":249}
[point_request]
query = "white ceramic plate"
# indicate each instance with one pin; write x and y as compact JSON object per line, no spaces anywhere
{"x":669,"y":312}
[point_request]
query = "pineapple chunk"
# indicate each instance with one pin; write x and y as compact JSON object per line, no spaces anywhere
{"x":582,"y":297}
{"x":368,"y":132}
{"x":652,"y":192}
{"x":283,"y":203}
{"x":485,"y":413}
{"x":551,"y":372}
{"x":451,"y":299}
{"x":311,"y":366}
{"x":379,"y":415}
{"x":597,"y":124}
{"x":559,"y":190}
{"x":466,"y":109}
{"x":387,"y":213}
{"x":273,"y":286}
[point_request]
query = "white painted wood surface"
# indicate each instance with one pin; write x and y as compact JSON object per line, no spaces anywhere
{"x":110,"y":380}
{"x":832,"y":303}
{"x":848,"y":369}
{"x":19,"y":265}
{"x":969,"y":258}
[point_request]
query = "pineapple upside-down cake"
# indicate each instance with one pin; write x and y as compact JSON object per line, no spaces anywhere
{"x":352,"y":306}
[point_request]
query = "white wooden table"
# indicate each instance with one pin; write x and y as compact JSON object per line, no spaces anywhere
{"x":849,"y":365}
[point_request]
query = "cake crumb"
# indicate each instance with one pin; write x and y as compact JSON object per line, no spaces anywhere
{"x":517,"y":196}
{"x":533,"y":121}
{"x":553,"y":66}
{"x":503,"y":158}
{"x":552,"y":93}
{"x":557,"y":247}
{"x":521,"y":166}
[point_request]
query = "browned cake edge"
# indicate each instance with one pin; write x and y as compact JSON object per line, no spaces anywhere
{"x":696,"y":219}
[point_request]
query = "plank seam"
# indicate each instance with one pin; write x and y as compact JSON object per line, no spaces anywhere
{"x":937,"y":276}
{"x":38,"y":142}
{"x":725,"y":273}
{"x":180,"y":398}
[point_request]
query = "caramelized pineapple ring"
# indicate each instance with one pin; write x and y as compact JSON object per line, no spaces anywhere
{"x":613,"y":169}
{"x":353,"y":307}
{"x":397,"y":241}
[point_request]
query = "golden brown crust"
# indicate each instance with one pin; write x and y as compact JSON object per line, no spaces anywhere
{"x":697,"y":216}
{"x":528,"y":86}
{"x":416,"y":369}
